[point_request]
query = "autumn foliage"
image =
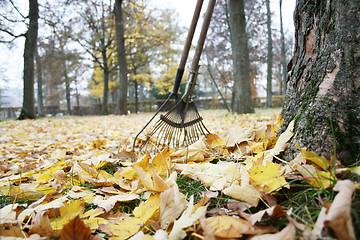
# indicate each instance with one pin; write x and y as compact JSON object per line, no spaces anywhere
{"x":78,"y":178}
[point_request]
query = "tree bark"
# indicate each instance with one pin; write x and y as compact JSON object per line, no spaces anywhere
{"x":269,"y":57}
{"x":241,"y":96}
{"x":28,"y":107}
{"x":283,"y":54}
{"x":40,"y":101}
{"x":323,"y":92}
{"x":120,"y":44}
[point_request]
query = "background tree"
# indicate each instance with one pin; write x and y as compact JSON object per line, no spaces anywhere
{"x":241,"y":100}
{"x":6,"y":26}
{"x":323,"y":92}
{"x":120,"y":48}
{"x":283,"y":53}
{"x":269,"y":60}
{"x":98,"y":40}
{"x":39,"y":80}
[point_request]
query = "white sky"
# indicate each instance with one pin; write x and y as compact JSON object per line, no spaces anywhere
{"x":11,"y":61}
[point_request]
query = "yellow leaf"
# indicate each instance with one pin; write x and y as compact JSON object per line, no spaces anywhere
{"x":151,"y":180}
{"x":239,"y":134}
{"x":147,"y":209}
{"x":316,"y":178}
{"x":318,"y":160}
{"x":125,"y":228}
{"x":226,"y":226}
{"x":70,"y":211}
{"x":161,"y":163}
{"x":268,"y":178}
{"x":195,"y":152}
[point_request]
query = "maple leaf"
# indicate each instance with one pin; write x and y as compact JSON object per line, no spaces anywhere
{"x":268,"y":177}
{"x":76,"y":230}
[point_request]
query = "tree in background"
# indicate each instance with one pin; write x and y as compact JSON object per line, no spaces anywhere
{"x":39,"y":80}
{"x":241,"y":100}
{"x":7,"y":27}
{"x":98,"y":40}
{"x":120,"y":49}
{"x":283,"y":54}
{"x":269,"y":60}
{"x":323,"y":91}
{"x":151,"y":36}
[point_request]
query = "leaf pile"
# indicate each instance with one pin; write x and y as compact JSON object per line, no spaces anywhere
{"x":77,"y":178}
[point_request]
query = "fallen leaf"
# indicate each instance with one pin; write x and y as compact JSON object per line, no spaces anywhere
{"x":338,"y":217}
{"x":226,"y":226}
{"x":268,"y":177}
{"x":288,"y":233}
{"x":172,"y":203}
{"x":188,"y":218}
{"x":76,"y":230}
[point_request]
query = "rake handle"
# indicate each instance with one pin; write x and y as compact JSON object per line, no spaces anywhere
{"x":187,"y":46}
{"x":201,"y":40}
{"x":199,"y":47}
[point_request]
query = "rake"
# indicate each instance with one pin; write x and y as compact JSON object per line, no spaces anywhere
{"x":183,"y":123}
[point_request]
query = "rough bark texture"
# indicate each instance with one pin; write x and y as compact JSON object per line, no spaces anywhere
{"x":241,"y":96}
{"x":120,"y":44}
{"x":283,"y":54}
{"x":28,"y":107}
{"x":40,"y":101}
{"x":269,"y":57}
{"x":324,"y":83}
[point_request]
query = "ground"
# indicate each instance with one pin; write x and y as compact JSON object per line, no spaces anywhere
{"x":61,"y":174}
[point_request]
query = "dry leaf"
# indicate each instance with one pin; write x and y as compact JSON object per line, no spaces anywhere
{"x":288,"y":233}
{"x":188,"y":218}
{"x":76,"y":230}
{"x":172,"y":203}
{"x":226,"y":226}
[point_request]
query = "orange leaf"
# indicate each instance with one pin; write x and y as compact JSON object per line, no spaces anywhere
{"x":76,"y":230}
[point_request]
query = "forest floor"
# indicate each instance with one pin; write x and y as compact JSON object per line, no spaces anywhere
{"x":78,"y":178}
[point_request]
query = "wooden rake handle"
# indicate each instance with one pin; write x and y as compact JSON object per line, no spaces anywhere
{"x":185,"y":53}
{"x":199,"y":47}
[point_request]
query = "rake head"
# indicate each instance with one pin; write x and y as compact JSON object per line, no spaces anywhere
{"x":181,"y":125}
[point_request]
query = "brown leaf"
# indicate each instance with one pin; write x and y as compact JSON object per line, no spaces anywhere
{"x":76,"y":230}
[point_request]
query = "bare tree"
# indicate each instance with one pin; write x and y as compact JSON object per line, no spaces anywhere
{"x":120,"y":46}
{"x":283,"y":53}
{"x":241,"y":98}
{"x":28,"y":107}
{"x":269,"y":56}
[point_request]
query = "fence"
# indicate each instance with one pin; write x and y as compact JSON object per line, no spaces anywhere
{"x":143,"y":106}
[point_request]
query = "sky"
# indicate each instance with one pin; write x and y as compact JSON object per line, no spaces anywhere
{"x":11,"y":61}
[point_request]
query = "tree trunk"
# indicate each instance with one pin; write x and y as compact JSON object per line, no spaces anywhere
{"x":136,"y":96}
{"x":120,"y":45}
{"x":241,"y":96}
{"x":105,"y":110}
{"x":40,"y":102}
{"x":269,"y":57}
{"x":67,"y":90}
{"x":283,"y":54}
{"x":323,"y":92}
{"x":28,"y":107}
